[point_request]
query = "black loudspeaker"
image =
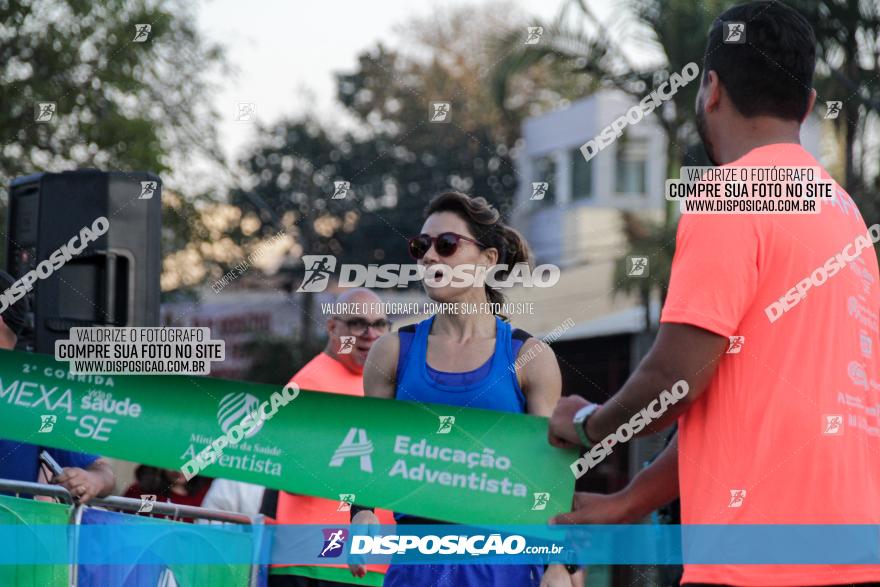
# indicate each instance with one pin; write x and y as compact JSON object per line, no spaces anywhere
{"x":114,"y":280}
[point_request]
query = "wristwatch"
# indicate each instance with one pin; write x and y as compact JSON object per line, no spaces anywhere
{"x":580,"y":423}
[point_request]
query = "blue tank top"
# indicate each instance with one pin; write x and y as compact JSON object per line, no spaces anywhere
{"x":492,"y":386}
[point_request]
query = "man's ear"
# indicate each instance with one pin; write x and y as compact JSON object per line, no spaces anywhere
{"x":331,"y":326}
{"x":811,"y":102}
{"x":713,"y":91}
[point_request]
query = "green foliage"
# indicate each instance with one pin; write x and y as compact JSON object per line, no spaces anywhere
{"x":121,"y":105}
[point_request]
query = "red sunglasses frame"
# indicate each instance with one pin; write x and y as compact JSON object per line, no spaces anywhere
{"x":433,"y":239}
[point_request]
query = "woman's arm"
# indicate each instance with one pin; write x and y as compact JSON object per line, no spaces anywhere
{"x":539,"y":377}
{"x":380,"y":370}
{"x":541,"y":383}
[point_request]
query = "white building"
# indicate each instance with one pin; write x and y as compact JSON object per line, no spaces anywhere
{"x":578,"y":220}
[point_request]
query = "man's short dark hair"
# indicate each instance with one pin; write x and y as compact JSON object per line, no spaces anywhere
{"x":771,"y":73}
{"x":15,"y":315}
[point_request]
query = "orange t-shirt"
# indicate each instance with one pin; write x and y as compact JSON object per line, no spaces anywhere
{"x":765,"y":424}
{"x":324,"y":373}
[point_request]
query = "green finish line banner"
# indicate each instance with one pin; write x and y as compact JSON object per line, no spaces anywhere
{"x":448,"y":463}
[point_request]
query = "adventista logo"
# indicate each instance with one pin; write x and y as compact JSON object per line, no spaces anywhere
{"x":334,"y":540}
{"x":355,"y":444}
{"x":234,"y":407}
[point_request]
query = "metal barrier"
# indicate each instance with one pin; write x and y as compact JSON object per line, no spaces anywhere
{"x":129,"y":505}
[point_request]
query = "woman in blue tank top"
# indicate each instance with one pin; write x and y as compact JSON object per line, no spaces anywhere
{"x":465,"y":359}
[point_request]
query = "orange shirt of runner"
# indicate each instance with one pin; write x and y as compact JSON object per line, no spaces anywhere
{"x":764,"y":444}
{"x":324,"y":373}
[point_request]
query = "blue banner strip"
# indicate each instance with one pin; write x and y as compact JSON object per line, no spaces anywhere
{"x":145,"y":543}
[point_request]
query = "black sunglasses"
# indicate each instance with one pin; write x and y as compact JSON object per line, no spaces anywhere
{"x":445,"y":244}
{"x":358,"y":326}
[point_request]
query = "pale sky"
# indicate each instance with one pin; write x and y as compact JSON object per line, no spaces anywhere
{"x":286,"y":50}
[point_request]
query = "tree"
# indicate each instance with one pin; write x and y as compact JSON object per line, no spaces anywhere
{"x":119,"y":104}
{"x":848,"y":55}
{"x":396,"y":159}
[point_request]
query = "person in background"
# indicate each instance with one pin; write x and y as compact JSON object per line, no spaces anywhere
{"x":168,"y":485}
{"x":338,"y":369}
{"x":84,"y":476}
{"x":234,"y":496}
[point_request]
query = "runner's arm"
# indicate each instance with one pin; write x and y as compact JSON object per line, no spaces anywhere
{"x":380,"y":369}
{"x":539,"y":377}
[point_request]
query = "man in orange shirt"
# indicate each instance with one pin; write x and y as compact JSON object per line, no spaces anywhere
{"x":780,"y":424}
{"x":338,"y":369}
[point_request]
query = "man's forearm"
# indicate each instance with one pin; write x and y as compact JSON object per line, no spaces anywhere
{"x":654,"y":486}
{"x":642,"y":388}
{"x":680,"y":353}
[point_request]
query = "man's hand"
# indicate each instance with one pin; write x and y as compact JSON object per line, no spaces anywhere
{"x":556,"y":576}
{"x":561,"y":432}
{"x":83,"y":485}
{"x":595,"y":508}
{"x":362,"y":518}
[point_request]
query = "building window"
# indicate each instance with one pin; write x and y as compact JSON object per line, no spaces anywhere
{"x":581,"y":176}
{"x":632,"y":167}
{"x":544,"y":171}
